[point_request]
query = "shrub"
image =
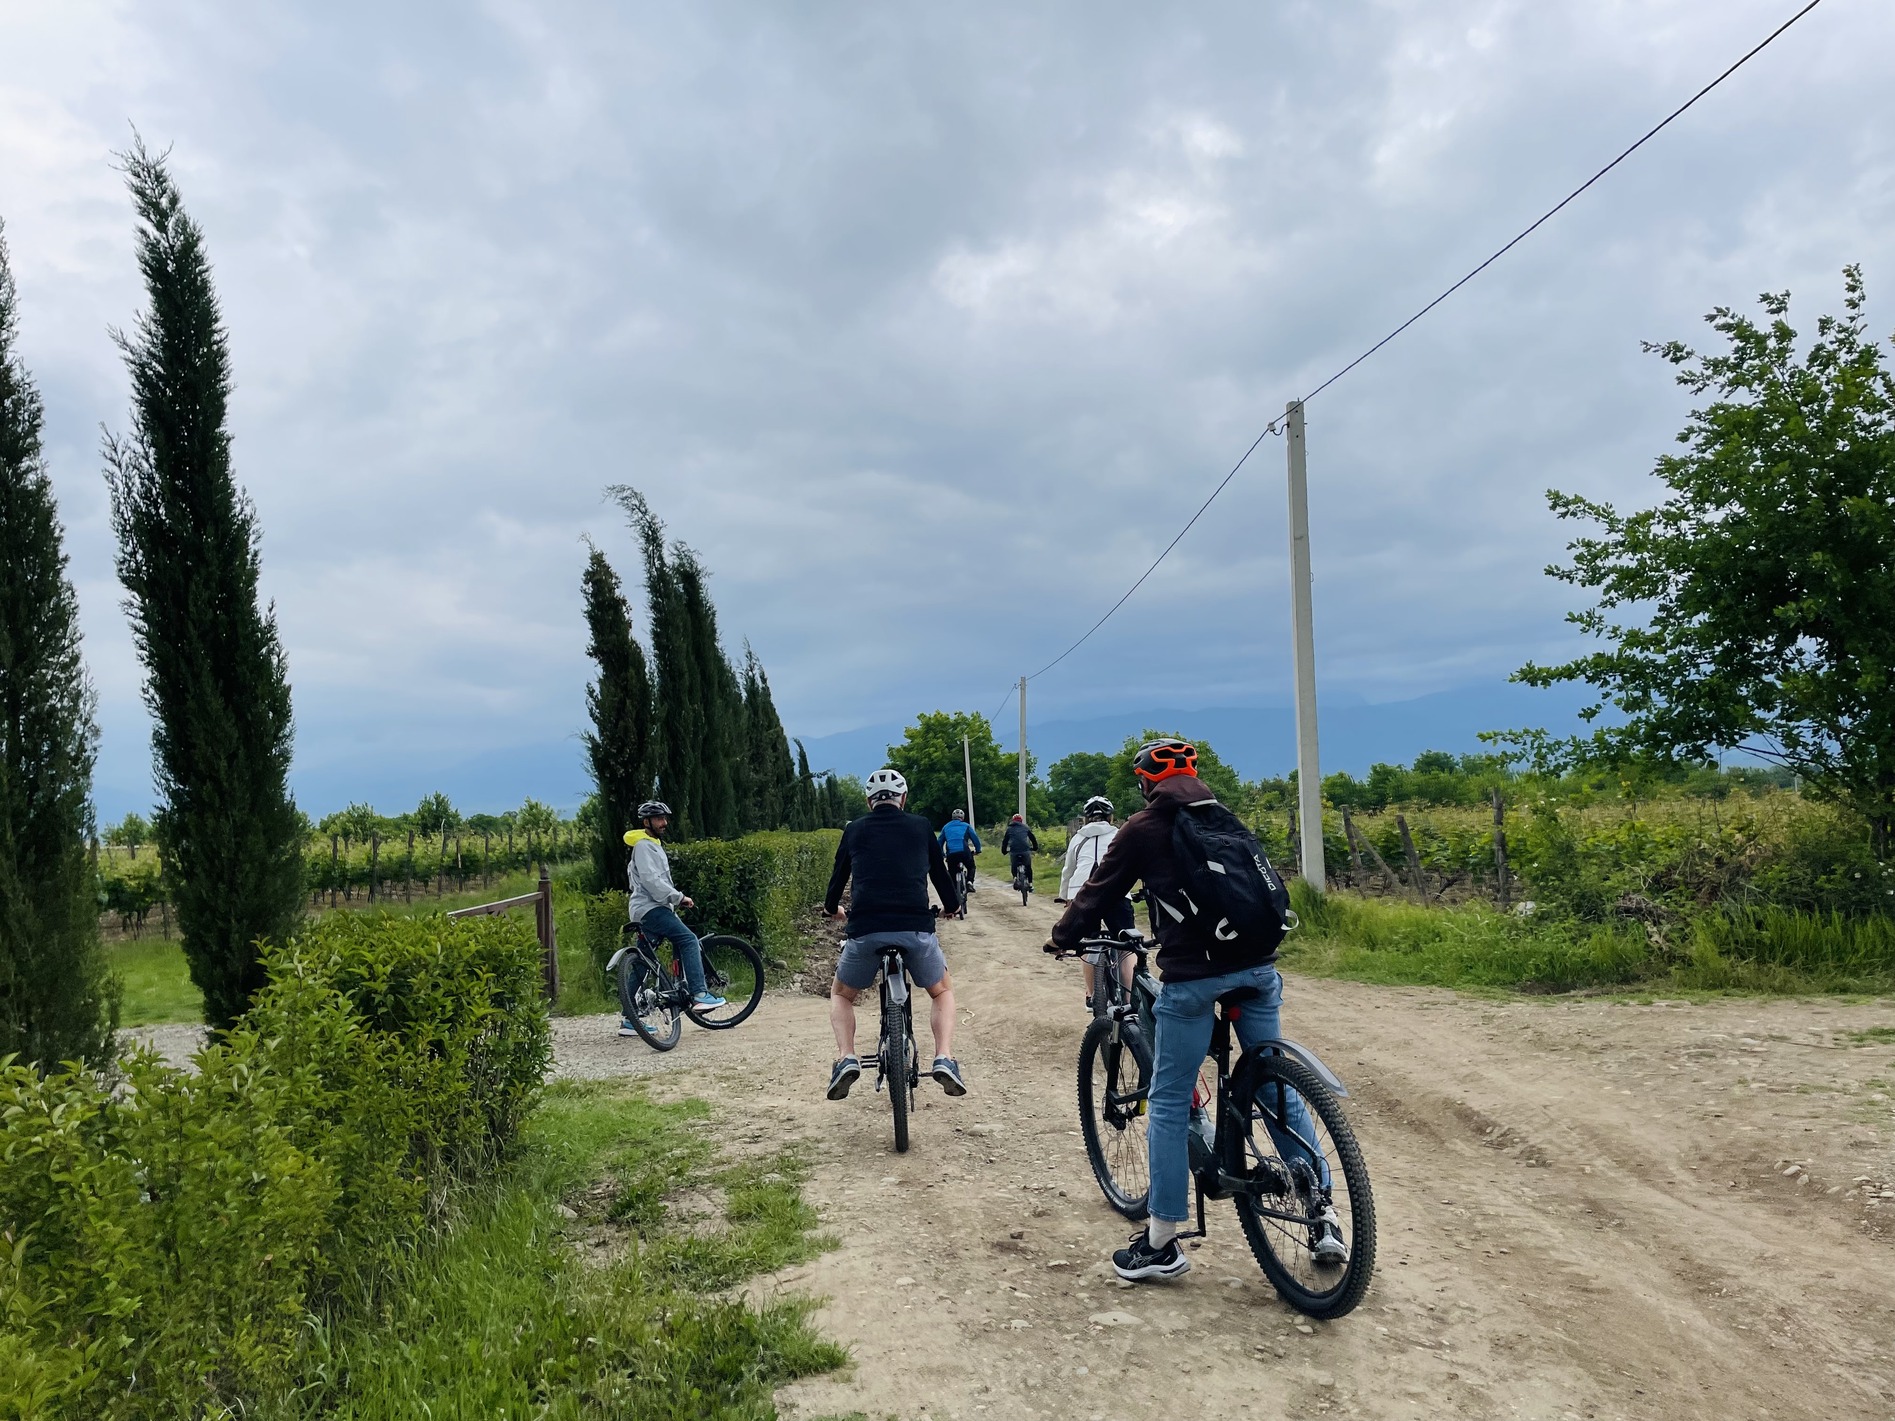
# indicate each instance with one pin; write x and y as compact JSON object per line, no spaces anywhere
{"x":169,"y":1234}
{"x":754,"y":886}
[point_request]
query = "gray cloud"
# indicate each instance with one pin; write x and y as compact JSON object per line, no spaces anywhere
{"x":901,"y":315}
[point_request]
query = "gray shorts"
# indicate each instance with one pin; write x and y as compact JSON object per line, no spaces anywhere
{"x":861,"y":959}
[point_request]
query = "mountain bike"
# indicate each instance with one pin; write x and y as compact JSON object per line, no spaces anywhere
{"x":1023,"y":878}
{"x":654,"y":996}
{"x":961,"y":878}
{"x":897,"y":1063}
{"x":1280,"y":1148}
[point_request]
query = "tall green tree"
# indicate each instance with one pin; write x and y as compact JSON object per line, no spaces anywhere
{"x":618,"y":747}
{"x":1762,"y":586}
{"x":719,"y":784}
{"x":771,"y":773}
{"x":215,"y":676}
{"x":678,"y":699}
{"x":929,"y":757}
{"x":57,"y":1001}
{"x":1075,"y":778}
{"x":804,"y":810}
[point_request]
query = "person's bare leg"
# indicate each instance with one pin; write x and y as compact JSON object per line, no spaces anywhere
{"x":1086,"y":962}
{"x":1128,"y":969}
{"x":941,"y":1016}
{"x":842,"y":1016}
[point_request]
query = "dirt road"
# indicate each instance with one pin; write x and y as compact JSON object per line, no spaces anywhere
{"x":1589,"y":1208}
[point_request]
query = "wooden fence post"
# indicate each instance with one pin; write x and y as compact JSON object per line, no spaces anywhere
{"x":1390,"y":883}
{"x":1296,"y":858}
{"x":440,"y":866}
{"x":1348,"y":835}
{"x":332,"y":870}
{"x":1416,"y":878}
{"x":408,"y":875}
{"x":374,"y":856}
{"x":1503,"y":890}
{"x":549,"y":942}
{"x":460,"y":874}
{"x":486,"y":860}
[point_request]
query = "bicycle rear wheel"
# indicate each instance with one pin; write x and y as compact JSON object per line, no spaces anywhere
{"x":1114,"y":1077}
{"x":897,"y":1068}
{"x":734,"y":970}
{"x":1295,"y":1135}
{"x":648,"y":999}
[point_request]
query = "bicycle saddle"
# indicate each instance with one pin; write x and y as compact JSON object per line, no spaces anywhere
{"x":1237,"y":996}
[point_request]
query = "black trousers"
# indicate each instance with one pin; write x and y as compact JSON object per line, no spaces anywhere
{"x":964,"y":859}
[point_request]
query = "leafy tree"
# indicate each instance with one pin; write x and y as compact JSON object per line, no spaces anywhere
{"x":434,"y":816}
{"x":1124,"y":792}
{"x":719,"y":782}
{"x":1075,"y":778}
{"x":57,"y":1002}
{"x":930,"y":757}
{"x":1765,"y":580}
{"x":618,"y":747}
{"x":216,"y":681}
{"x":533,"y":817}
{"x":131,"y":832}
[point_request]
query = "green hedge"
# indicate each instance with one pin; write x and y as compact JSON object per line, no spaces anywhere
{"x":753,"y":886}
{"x":171,"y":1235}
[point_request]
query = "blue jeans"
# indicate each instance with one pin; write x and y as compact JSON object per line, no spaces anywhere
{"x":664,"y":923}
{"x":1184,"y":1014}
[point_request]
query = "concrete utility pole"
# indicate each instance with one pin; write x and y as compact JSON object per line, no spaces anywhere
{"x":967,"y":768}
{"x":1023,"y":747}
{"x":1309,"y":784}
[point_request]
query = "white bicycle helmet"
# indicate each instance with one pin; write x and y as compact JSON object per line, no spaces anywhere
{"x":1098,"y":807}
{"x":886,"y":784}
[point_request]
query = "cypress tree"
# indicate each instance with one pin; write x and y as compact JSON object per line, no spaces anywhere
{"x":618,"y":746}
{"x":216,"y":680}
{"x":772,"y":775}
{"x":677,"y":703}
{"x":803,"y":812}
{"x":57,"y":1002}
{"x":717,"y":746}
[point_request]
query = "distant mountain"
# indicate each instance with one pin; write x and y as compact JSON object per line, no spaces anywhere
{"x":1261,"y":741}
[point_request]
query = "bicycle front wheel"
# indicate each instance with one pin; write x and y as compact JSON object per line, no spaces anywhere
{"x":1312,"y":1228}
{"x":648,"y":998}
{"x":733,"y":969}
{"x":1114,"y":1077}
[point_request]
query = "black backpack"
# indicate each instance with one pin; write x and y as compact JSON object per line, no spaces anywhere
{"x":1233,"y":898}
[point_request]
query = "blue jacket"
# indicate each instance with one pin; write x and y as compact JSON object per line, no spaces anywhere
{"x":958,"y":836}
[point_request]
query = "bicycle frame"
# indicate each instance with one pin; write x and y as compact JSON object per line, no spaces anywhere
{"x":896,"y":997}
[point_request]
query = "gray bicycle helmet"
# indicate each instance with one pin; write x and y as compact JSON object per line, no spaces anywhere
{"x":653,"y":809}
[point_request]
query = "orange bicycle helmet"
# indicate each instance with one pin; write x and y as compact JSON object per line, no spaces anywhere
{"x":1161,"y":759}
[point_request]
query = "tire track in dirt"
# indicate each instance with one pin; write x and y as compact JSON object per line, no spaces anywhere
{"x":1584,"y":1205}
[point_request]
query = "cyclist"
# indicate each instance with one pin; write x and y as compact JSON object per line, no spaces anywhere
{"x":655,"y":902}
{"x":1193,"y":981}
{"x":890,"y":855}
{"x":1083,"y":852}
{"x":1019,"y":845}
{"x":960,"y":843}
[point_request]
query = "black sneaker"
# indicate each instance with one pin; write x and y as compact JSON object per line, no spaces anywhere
{"x":947,"y":1074}
{"x":1139,"y":1261}
{"x":848,"y":1070}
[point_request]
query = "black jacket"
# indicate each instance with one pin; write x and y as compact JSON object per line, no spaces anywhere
{"x":891,"y":855}
{"x":1019,"y":840}
{"x":1141,"y":850}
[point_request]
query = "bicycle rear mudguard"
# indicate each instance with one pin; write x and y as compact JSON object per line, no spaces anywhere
{"x":897,"y":981}
{"x":612,"y":963}
{"x":1295,"y":1052}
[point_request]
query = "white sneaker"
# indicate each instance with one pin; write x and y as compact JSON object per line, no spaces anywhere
{"x":1327,"y":1246}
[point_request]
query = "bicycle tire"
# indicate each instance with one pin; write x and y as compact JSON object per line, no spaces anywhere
{"x":1115,"y":1144}
{"x":644,"y":1004}
{"x":1268,"y":1236}
{"x":735,"y":968}
{"x":895,"y":1070}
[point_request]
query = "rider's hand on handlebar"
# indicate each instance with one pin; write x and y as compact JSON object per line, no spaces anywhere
{"x":686,"y":903}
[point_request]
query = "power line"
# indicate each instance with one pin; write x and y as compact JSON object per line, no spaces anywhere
{"x":1500,"y":252}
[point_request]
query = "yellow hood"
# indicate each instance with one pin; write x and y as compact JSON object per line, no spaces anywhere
{"x":633,"y":836}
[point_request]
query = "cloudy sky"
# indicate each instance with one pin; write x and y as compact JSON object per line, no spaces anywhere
{"x":927,"y":326}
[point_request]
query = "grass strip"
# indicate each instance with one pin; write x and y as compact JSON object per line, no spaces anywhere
{"x":504,"y":1318}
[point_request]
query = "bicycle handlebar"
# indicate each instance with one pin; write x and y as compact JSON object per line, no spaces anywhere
{"x":1127,"y":940}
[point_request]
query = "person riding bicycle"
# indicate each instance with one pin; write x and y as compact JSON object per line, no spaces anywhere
{"x":891,"y":856}
{"x":1084,"y":850}
{"x":655,"y":902}
{"x":1019,"y":845}
{"x":960,"y":843}
{"x":1197,"y":968}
